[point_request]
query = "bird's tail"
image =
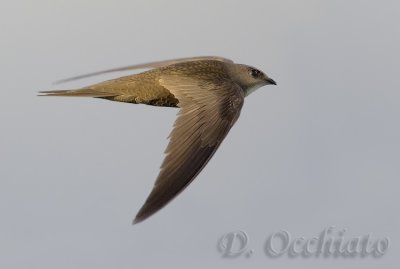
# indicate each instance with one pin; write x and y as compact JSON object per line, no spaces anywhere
{"x":77,"y":93}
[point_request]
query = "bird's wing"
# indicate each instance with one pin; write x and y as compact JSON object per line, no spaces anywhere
{"x":145,"y":66}
{"x":208,"y":110}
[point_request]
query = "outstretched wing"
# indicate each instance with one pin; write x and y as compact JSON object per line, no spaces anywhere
{"x":145,"y":66}
{"x":208,"y":110}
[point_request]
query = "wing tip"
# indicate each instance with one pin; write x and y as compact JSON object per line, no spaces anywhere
{"x":136,"y":221}
{"x":143,"y":214}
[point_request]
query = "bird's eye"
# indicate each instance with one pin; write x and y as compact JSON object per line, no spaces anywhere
{"x":255,"y":73}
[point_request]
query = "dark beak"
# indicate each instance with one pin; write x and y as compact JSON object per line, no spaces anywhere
{"x":271,"y":81}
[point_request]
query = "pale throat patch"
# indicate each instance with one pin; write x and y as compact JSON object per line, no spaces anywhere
{"x":251,"y":90}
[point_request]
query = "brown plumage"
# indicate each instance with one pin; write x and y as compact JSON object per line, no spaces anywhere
{"x":209,"y":92}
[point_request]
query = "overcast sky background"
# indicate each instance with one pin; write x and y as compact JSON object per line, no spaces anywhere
{"x":320,"y":149}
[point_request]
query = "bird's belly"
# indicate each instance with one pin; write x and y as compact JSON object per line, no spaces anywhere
{"x":163,"y":100}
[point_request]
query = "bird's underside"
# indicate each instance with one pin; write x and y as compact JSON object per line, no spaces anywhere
{"x":209,"y":100}
{"x":138,"y":89}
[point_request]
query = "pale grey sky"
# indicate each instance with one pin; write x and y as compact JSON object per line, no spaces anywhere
{"x":320,"y":149}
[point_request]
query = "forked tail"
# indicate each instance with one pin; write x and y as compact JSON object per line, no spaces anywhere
{"x":77,"y":93}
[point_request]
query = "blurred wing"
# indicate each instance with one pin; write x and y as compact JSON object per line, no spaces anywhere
{"x":145,"y":66}
{"x":207,"y":113}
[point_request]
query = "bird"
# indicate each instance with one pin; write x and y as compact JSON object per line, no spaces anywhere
{"x":209,"y":92}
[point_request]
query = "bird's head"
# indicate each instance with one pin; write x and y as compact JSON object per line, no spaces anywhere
{"x":249,"y":78}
